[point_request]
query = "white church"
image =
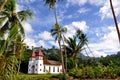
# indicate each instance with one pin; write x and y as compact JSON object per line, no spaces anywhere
{"x":37,"y":65}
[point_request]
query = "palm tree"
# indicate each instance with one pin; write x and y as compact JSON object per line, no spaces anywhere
{"x":75,"y":45}
{"x":57,"y":31}
{"x":2,"y":4}
{"x":9,"y":18}
{"x":115,"y":20}
{"x":10,"y":22}
{"x":52,"y":5}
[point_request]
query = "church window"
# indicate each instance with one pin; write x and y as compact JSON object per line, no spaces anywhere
{"x":58,"y":69}
{"x":40,"y":64}
{"x":36,"y":69}
{"x":36,"y":64}
{"x":40,"y":69}
{"x":44,"y":68}
{"x":53,"y":69}
{"x":49,"y":68}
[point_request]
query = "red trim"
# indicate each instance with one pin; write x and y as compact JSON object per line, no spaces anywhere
{"x":39,"y":53}
{"x":32,"y":54}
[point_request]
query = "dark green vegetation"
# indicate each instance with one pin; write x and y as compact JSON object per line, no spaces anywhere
{"x":107,"y":68}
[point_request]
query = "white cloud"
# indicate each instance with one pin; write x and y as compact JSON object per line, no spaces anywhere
{"x":45,"y":35}
{"x":54,"y":43}
{"x":108,"y":43}
{"x":97,"y":54}
{"x":27,"y":27}
{"x":71,"y":28}
{"x":42,"y":43}
{"x":79,"y":2}
{"x":30,"y":42}
{"x":80,"y":25}
{"x":97,"y":2}
{"x":83,"y":10}
{"x":105,"y":10}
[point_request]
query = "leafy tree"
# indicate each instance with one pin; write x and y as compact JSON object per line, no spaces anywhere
{"x":75,"y":45}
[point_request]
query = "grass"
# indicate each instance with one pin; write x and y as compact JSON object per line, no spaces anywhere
{"x":37,"y":76}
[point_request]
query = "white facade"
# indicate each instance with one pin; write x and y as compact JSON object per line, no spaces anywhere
{"x":39,"y":66}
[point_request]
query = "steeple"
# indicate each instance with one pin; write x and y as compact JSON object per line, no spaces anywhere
{"x":39,"y":53}
{"x":32,"y":55}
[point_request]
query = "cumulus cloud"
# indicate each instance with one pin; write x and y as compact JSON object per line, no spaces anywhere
{"x":30,"y":42}
{"x":42,"y":43}
{"x":45,"y":35}
{"x":71,"y":28}
{"x":108,"y":42}
{"x":105,"y":10}
{"x":27,"y":27}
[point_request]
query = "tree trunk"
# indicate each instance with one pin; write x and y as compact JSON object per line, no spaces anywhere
{"x":61,"y":54}
{"x":19,"y":66}
{"x":3,"y":4}
{"x":115,"y":20}
{"x":55,"y":15}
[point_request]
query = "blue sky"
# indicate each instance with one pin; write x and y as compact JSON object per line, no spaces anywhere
{"x":93,"y":17}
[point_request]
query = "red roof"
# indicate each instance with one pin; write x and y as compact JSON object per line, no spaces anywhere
{"x":32,"y":54}
{"x":50,"y":62}
{"x":39,"y":53}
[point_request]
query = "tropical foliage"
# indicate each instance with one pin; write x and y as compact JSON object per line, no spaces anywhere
{"x":75,"y":45}
{"x":11,"y":48}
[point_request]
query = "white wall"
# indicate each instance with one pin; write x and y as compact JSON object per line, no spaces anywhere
{"x":30,"y":70}
{"x":51,"y":69}
{"x":39,"y":68}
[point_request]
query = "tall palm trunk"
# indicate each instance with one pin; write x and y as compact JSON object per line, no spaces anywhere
{"x":59,"y":42}
{"x":3,"y":4}
{"x":115,"y":20}
{"x":61,"y":54}
{"x":55,"y":15}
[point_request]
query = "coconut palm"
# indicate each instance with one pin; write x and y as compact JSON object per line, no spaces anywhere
{"x":52,"y":5}
{"x":57,"y":32}
{"x":9,"y":18}
{"x":10,"y":22}
{"x":75,"y":45}
{"x":115,"y":20}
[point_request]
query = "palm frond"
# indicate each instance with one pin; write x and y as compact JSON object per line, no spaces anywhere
{"x":4,"y":29}
{"x":10,"y":5}
{"x":23,"y":15}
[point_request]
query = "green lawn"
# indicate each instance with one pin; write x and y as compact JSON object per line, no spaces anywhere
{"x":37,"y":76}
